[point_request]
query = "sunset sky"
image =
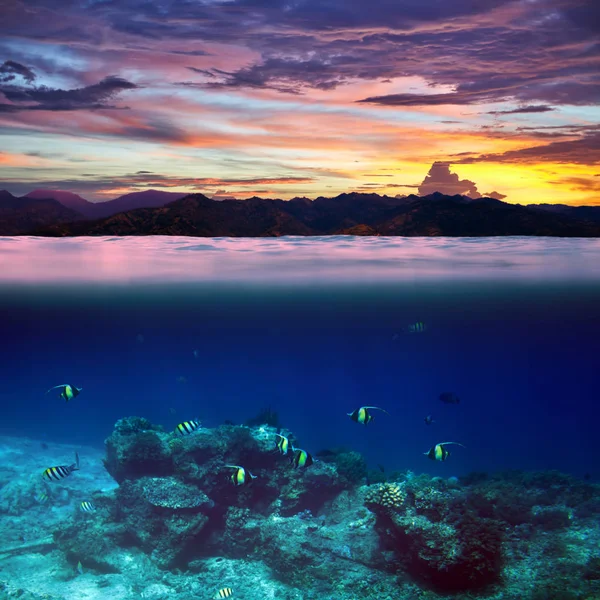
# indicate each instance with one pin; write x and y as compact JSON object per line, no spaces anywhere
{"x":302,"y":97}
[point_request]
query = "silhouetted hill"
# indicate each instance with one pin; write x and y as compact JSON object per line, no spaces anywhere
{"x":22,"y":215}
{"x":355,"y":214}
{"x":590,"y":213}
{"x":134,"y":200}
{"x":68,"y":199}
{"x":99,"y":210}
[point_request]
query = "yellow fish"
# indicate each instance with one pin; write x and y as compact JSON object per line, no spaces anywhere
{"x":438,"y":452}
{"x":68,"y":391}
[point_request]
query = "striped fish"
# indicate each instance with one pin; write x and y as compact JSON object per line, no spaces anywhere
{"x":41,"y":497}
{"x":223,"y":593}
{"x":87,"y":507}
{"x":62,"y":471}
{"x":240,"y":476}
{"x":282,"y":445}
{"x":67,"y":391}
{"x":187,"y":427}
{"x":418,"y":327}
{"x":301,"y":459}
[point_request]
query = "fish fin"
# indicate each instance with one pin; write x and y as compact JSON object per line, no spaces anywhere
{"x":376,"y":408}
{"x":56,"y":387}
{"x":446,"y":443}
{"x":233,"y":466}
{"x":77,"y":460}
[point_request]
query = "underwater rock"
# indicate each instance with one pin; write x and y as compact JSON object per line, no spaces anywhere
{"x":433,"y":538}
{"x":177,"y":502}
{"x":168,"y":492}
{"x":137,"y":448}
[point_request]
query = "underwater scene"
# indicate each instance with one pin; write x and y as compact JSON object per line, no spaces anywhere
{"x":338,"y":418}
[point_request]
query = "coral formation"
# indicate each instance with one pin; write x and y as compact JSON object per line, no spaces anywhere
{"x":176,"y":527}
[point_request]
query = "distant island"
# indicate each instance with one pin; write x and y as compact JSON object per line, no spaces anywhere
{"x":152,"y":212}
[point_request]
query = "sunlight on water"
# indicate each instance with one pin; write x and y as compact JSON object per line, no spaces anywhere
{"x":294,"y":259}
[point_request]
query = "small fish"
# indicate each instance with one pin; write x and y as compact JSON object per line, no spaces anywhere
{"x":41,"y":497}
{"x":62,"y":471}
{"x":223,"y":593}
{"x":428,"y":420}
{"x":240,"y":476}
{"x":418,"y":327}
{"x":438,"y":452}
{"x":196,"y":353}
{"x":188,"y":427}
{"x":79,"y":568}
{"x":381,"y":468}
{"x":139,"y":338}
{"x":282,"y":444}
{"x":87,"y":507}
{"x":181,"y":379}
{"x":395,"y":337}
{"x":172,"y":410}
{"x":301,"y":459}
{"x":363,"y":416}
{"x":449,"y":398}
{"x":68,"y":391}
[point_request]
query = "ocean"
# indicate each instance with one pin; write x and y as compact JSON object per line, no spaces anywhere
{"x":211,"y":453}
{"x":220,"y":329}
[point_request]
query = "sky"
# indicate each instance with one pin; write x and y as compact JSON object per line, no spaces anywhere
{"x":285,"y":98}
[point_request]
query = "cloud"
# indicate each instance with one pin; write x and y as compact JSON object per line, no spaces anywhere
{"x":585,"y":151}
{"x":441,"y":179}
{"x":100,"y":185}
{"x":534,"y":108}
{"x":585,"y":184}
{"x":45,"y":98}
{"x":10,"y":69}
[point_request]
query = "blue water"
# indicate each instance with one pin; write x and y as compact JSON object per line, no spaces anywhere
{"x":313,"y":328}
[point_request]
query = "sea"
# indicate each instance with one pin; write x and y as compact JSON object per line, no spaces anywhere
{"x":310,"y":329}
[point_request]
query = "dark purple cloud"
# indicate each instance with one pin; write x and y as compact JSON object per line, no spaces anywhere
{"x":494,"y":50}
{"x":534,"y":108}
{"x":45,"y":98}
{"x":11,"y":69}
{"x":585,"y":151}
{"x":93,"y":184}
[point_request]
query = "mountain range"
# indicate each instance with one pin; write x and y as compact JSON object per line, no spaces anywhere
{"x":165,"y":213}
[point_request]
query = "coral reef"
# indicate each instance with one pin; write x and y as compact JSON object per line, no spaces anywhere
{"x":176,"y":527}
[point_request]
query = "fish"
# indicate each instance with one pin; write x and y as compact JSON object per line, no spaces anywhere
{"x":223,"y":593}
{"x":428,"y":420}
{"x":418,"y":327}
{"x":139,"y":338}
{"x":438,"y":452}
{"x":188,"y":427}
{"x":62,"y":471}
{"x":87,"y":507}
{"x":79,"y":568}
{"x":282,"y":444}
{"x":68,"y":391}
{"x":301,"y":458}
{"x":196,"y":353}
{"x":241,"y":476}
{"x":449,"y":398}
{"x":181,"y":379}
{"x":41,"y":497}
{"x":363,"y":416}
